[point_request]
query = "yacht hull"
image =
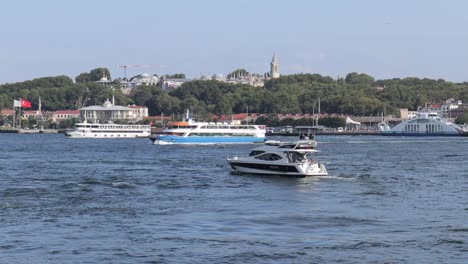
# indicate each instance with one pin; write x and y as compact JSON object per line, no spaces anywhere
{"x":298,"y":170}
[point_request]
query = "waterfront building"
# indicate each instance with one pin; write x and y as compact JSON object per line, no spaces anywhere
{"x":110,"y":112}
{"x":31,"y":113}
{"x":449,"y":106}
{"x":407,"y":114}
{"x":62,"y":115}
{"x":7,"y":112}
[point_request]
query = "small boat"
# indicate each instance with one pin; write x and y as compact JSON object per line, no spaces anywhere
{"x":108,"y":130}
{"x":191,"y":132}
{"x":281,"y":158}
{"x":426,"y":123}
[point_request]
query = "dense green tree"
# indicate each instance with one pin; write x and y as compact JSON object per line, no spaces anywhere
{"x":356,"y":78}
{"x":175,"y":76}
{"x":333,"y":122}
{"x":98,"y":73}
{"x":463,"y":119}
{"x":142,"y":95}
{"x":83,"y":78}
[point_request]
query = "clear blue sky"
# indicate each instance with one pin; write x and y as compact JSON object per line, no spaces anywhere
{"x":386,"y":39}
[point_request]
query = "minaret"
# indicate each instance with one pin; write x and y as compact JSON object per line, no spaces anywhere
{"x":40,"y":106}
{"x":274,"y":67}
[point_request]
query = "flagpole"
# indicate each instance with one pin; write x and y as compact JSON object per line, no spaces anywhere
{"x":20,"y":114}
{"x":14,"y":115}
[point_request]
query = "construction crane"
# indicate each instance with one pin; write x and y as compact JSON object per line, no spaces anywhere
{"x":125,"y":66}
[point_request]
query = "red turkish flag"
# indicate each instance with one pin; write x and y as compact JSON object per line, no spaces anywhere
{"x":25,"y":103}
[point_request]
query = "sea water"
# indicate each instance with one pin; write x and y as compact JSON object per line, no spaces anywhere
{"x":386,"y":200}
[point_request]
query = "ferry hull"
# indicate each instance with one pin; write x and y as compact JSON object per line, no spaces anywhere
{"x":391,"y":133}
{"x":163,"y":139}
{"x":106,"y":135}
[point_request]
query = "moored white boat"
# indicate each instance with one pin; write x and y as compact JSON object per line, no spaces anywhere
{"x":108,"y":130}
{"x":280,"y":158}
{"x":426,"y":123}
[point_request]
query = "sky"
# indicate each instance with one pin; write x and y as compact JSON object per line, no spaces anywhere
{"x":382,"y":38}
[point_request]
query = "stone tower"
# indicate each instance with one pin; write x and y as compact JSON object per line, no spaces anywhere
{"x":274,"y":67}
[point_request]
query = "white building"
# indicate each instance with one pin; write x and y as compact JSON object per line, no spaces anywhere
{"x":110,"y":112}
{"x":127,"y":86}
{"x":449,"y":106}
{"x":172,"y":83}
{"x":105,"y":81}
{"x":62,"y":115}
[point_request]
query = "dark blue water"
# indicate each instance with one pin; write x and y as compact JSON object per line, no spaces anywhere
{"x":387,"y":200}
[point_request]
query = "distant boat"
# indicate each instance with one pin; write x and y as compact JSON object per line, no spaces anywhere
{"x":426,"y":123}
{"x":191,"y":132}
{"x":108,"y":130}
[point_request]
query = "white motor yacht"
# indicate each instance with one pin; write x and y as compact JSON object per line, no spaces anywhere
{"x":281,"y":158}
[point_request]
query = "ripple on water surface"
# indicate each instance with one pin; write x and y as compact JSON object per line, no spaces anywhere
{"x":396,"y":200}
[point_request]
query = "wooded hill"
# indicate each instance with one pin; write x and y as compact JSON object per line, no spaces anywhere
{"x":356,"y":94}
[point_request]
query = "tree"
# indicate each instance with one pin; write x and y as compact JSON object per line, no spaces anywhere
{"x":333,"y":122}
{"x":176,"y":76}
{"x":356,"y":78}
{"x":83,"y":77}
{"x":142,"y":95}
{"x":463,"y":119}
{"x":98,"y":73}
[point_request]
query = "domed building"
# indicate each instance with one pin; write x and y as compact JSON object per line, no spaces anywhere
{"x":145,"y":78}
{"x":110,"y":112}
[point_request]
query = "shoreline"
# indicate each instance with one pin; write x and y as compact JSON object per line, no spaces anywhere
{"x":31,"y":131}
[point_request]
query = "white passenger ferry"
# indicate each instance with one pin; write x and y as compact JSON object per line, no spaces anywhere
{"x":108,"y":130}
{"x":191,"y":132}
{"x":426,"y":123}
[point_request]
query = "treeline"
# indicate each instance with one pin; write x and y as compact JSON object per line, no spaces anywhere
{"x":58,"y":93}
{"x":356,"y":94}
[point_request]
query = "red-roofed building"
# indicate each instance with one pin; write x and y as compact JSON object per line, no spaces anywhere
{"x":236,"y":118}
{"x":62,"y":115}
{"x":435,"y":106}
{"x":7,"y":112}
{"x":31,"y":113}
